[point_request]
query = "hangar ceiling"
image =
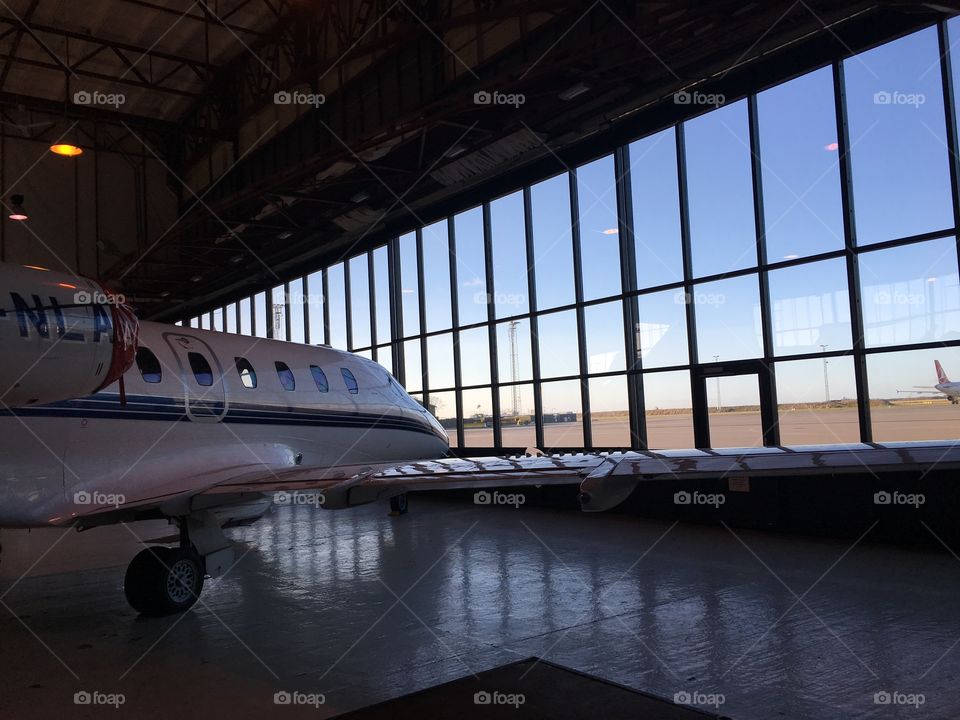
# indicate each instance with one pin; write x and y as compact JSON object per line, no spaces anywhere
{"x":236,"y":189}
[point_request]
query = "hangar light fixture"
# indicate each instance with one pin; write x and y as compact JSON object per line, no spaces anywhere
{"x":360,"y":197}
{"x":574,"y":90}
{"x":66,"y":149}
{"x":17,"y":212}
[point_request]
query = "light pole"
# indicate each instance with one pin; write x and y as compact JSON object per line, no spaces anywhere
{"x":826,"y":380}
{"x":716,"y":358}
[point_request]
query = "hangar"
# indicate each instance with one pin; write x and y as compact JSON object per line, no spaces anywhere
{"x":477,"y":359}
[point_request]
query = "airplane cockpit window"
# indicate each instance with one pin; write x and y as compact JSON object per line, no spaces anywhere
{"x":286,"y":376}
{"x":201,"y":369}
{"x":350,"y":381}
{"x":148,"y":365}
{"x":248,"y":376}
{"x":320,"y":378}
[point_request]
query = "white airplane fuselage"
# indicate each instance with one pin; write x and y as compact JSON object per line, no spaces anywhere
{"x":176,"y":435}
{"x":950,"y":389}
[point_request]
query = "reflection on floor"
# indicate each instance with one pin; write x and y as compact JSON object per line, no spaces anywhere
{"x":358,"y":607}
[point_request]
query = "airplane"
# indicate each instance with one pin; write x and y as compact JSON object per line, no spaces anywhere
{"x":943,"y":387}
{"x":106,"y":419}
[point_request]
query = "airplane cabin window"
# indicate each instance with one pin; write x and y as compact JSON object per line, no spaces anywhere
{"x":201,"y":369}
{"x":286,"y":376}
{"x":248,"y":376}
{"x":350,"y":381}
{"x":148,"y":365}
{"x":320,"y":378}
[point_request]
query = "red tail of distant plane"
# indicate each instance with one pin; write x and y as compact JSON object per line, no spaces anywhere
{"x":941,"y":375}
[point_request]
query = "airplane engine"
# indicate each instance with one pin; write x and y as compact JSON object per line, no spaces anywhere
{"x":63,"y":337}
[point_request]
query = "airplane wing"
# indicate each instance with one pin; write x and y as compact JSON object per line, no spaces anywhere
{"x":605,"y":480}
{"x":921,"y":390}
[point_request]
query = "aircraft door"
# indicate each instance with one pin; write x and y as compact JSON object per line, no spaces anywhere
{"x":202,"y":376}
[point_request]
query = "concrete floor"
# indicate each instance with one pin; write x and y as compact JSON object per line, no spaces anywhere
{"x":361,"y":607}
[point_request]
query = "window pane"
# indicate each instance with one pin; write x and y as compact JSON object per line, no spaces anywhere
{"x":285,"y":375}
{"x":360,"y":301}
{"x":385,"y":357}
{"x":443,"y":406}
{"x":230,"y":316}
{"x":668,"y":409}
{"x":279,"y":300}
{"x":552,"y":242}
{"x":216,"y":320}
{"x":509,"y":255}
{"x":477,"y":418}
{"x":471,"y":270}
{"x":413,"y":366}
{"x":436,"y":276}
{"x":315,"y":306}
{"x":349,"y":381}
{"x":733,"y":411}
{"x":557,"y":336}
{"x":662,"y":329}
{"x":610,"y":412}
{"x":604,"y":337}
{"x":728,"y":319}
{"x":201,"y":369}
{"x":297,"y":302}
{"x":800,"y":167}
{"x":409,"y":284}
{"x":245,"y":322}
{"x":475,"y":356}
{"x":901,"y":178}
{"x":195,"y":322}
{"x":514,"y":359}
{"x":810,"y":308}
{"x":909,"y":294}
{"x":320,"y":378}
{"x":561,"y":414}
{"x":381,"y":289}
{"x":248,"y":376}
{"x":205,"y":321}
{"x":722,"y":229}
{"x":814,"y":409}
{"x":517,"y":428}
{"x":148,"y":365}
{"x":336,"y":297}
{"x":901,"y":411}
{"x":599,"y":233}
{"x":260,"y":314}
{"x":440,"y":361}
{"x":656,"y":209}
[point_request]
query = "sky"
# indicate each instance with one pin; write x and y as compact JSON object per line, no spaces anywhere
{"x":901,"y":188}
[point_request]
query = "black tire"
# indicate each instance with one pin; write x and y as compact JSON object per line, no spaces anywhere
{"x":162,"y":581}
{"x":398,"y":504}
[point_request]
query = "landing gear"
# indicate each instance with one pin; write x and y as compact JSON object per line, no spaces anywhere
{"x":398,"y":505}
{"x":161,"y":580}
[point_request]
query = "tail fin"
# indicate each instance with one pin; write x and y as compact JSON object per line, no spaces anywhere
{"x":941,"y":375}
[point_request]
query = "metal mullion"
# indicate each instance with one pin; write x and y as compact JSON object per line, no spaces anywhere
{"x":492,"y":328}
{"x":455,"y":321}
{"x":581,"y":320}
{"x":628,"y":278}
{"x":949,"y":106}
{"x":325,"y":275}
{"x":421,"y":295}
{"x":769,"y":407}
{"x":306,"y":311}
{"x":396,"y":310}
{"x":372,"y":300}
{"x":532,"y":307}
{"x":698,"y":394}
{"x":287,"y":320}
{"x":236,"y":316}
{"x":348,"y":303}
{"x":850,"y":245}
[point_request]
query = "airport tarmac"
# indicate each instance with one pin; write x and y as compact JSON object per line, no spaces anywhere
{"x":936,"y":421}
{"x":356,"y":607}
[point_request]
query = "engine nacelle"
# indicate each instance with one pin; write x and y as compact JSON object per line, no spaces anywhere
{"x":61,"y":337}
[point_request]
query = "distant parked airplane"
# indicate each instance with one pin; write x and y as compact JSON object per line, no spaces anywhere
{"x":943,"y":386}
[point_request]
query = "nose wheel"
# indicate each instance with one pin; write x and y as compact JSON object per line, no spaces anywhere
{"x":161,"y":581}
